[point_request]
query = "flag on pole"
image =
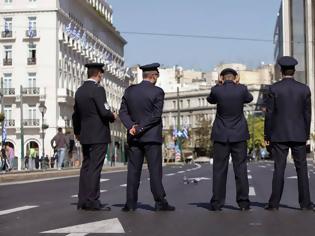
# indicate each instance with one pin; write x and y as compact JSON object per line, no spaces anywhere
{"x":77,"y":35}
{"x":83,"y":40}
{"x":68,"y":28}
{"x":6,"y":27}
{"x":4,"y":132}
{"x":31,"y":32}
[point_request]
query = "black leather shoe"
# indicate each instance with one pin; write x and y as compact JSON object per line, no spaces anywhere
{"x":163,"y":206}
{"x":101,"y":207}
{"x":247,"y":208}
{"x":126,"y":208}
{"x":268,"y":207}
{"x":309,"y":208}
{"x":212,"y":208}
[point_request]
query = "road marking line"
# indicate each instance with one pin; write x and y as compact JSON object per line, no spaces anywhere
{"x":262,"y":166}
{"x":292,"y":177}
{"x":104,"y":180}
{"x":123,"y":185}
{"x":250,"y":177}
{"x":4,"y":212}
{"x":101,"y":191}
{"x":248,"y":171}
{"x":99,"y":227}
{"x":180,"y":172}
{"x":252,"y":191}
{"x":171,"y":174}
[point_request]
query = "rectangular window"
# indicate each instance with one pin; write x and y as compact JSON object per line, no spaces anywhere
{"x":7,"y":80}
{"x":31,"y":80}
{"x":31,"y":31}
{"x":7,"y":24}
{"x":188,"y":103}
{"x":32,"y":112}
{"x":181,"y":103}
{"x":32,"y":0}
{"x":31,"y":54}
{"x":7,"y":60}
{"x":8,"y":112}
{"x":7,"y":1}
{"x":174,"y":104}
{"x":8,"y":52}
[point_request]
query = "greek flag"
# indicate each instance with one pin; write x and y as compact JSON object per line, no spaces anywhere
{"x":6,"y":26}
{"x":73,"y":32}
{"x":77,"y":35}
{"x":4,"y":133}
{"x":83,"y":40}
{"x":31,"y":32}
{"x":174,"y":132}
{"x":68,"y":29}
{"x":185,"y":133}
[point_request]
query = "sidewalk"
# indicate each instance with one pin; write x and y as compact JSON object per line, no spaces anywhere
{"x":24,"y":175}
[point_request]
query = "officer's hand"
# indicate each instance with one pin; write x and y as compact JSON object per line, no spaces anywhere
{"x":115,"y":115}
{"x":267,"y":142}
{"x":133,"y":130}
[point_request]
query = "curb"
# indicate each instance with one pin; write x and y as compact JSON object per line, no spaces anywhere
{"x":16,"y":176}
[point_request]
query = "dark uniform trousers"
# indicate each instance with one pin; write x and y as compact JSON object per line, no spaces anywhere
{"x":89,"y":184}
{"x":279,"y":152}
{"x":222,"y":151}
{"x":153,"y":154}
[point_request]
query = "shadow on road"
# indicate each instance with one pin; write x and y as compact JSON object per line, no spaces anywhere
{"x":139,"y":206}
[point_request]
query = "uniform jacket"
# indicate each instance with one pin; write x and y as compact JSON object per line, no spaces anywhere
{"x":230,"y":124}
{"x":142,"y":104}
{"x":92,"y":115}
{"x":288,"y":112}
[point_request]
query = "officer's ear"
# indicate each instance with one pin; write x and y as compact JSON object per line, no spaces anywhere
{"x":221,"y":79}
{"x":237,"y":79}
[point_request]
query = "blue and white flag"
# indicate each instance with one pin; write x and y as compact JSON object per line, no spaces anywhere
{"x":77,"y":35}
{"x":31,"y":32}
{"x":4,"y":132}
{"x":73,"y":32}
{"x":83,"y":40}
{"x":185,"y":133}
{"x":68,"y":28}
{"x":6,"y":26}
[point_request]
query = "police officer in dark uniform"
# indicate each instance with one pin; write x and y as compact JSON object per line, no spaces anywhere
{"x":91,"y":119}
{"x":287,"y":125}
{"x":140,"y":112}
{"x":229,"y":135}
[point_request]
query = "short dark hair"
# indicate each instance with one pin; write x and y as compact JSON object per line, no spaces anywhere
{"x":288,"y":72}
{"x":59,"y":129}
{"x":93,"y":72}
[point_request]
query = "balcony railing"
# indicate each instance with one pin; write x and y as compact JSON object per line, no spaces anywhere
{"x":9,"y":91}
{"x":10,"y":123}
{"x":7,"y":61}
{"x":6,"y":34}
{"x":31,"y":91}
{"x":31,"y":61}
{"x":31,"y":33}
{"x":70,"y":93}
{"x":31,"y":122}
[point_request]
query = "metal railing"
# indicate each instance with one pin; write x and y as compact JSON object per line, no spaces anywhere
{"x":6,"y":34}
{"x":31,"y":122}
{"x":31,"y":91}
{"x":10,"y":123}
{"x":7,"y":61}
{"x":9,"y":91}
{"x":31,"y":61}
{"x":31,"y":33}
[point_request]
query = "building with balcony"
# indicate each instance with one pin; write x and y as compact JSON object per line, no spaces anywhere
{"x":44,"y":46}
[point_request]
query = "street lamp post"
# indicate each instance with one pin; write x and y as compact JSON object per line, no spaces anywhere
{"x":178,"y":75}
{"x":42,"y":108}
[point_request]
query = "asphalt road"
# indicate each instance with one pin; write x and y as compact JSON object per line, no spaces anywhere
{"x":32,"y":208}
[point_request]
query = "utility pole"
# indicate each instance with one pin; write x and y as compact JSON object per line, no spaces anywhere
{"x":22,"y":125}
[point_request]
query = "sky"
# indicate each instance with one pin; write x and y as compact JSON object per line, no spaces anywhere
{"x":254,"y":19}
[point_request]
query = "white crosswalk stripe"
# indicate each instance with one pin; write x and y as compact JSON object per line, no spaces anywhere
{"x":23,"y":208}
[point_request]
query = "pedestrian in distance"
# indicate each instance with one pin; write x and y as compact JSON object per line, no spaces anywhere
{"x":60,"y":144}
{"x":140,"y":112}
{"x":91,"y":120}
{"x":287,"y":126}
{"x":229,"y":135}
